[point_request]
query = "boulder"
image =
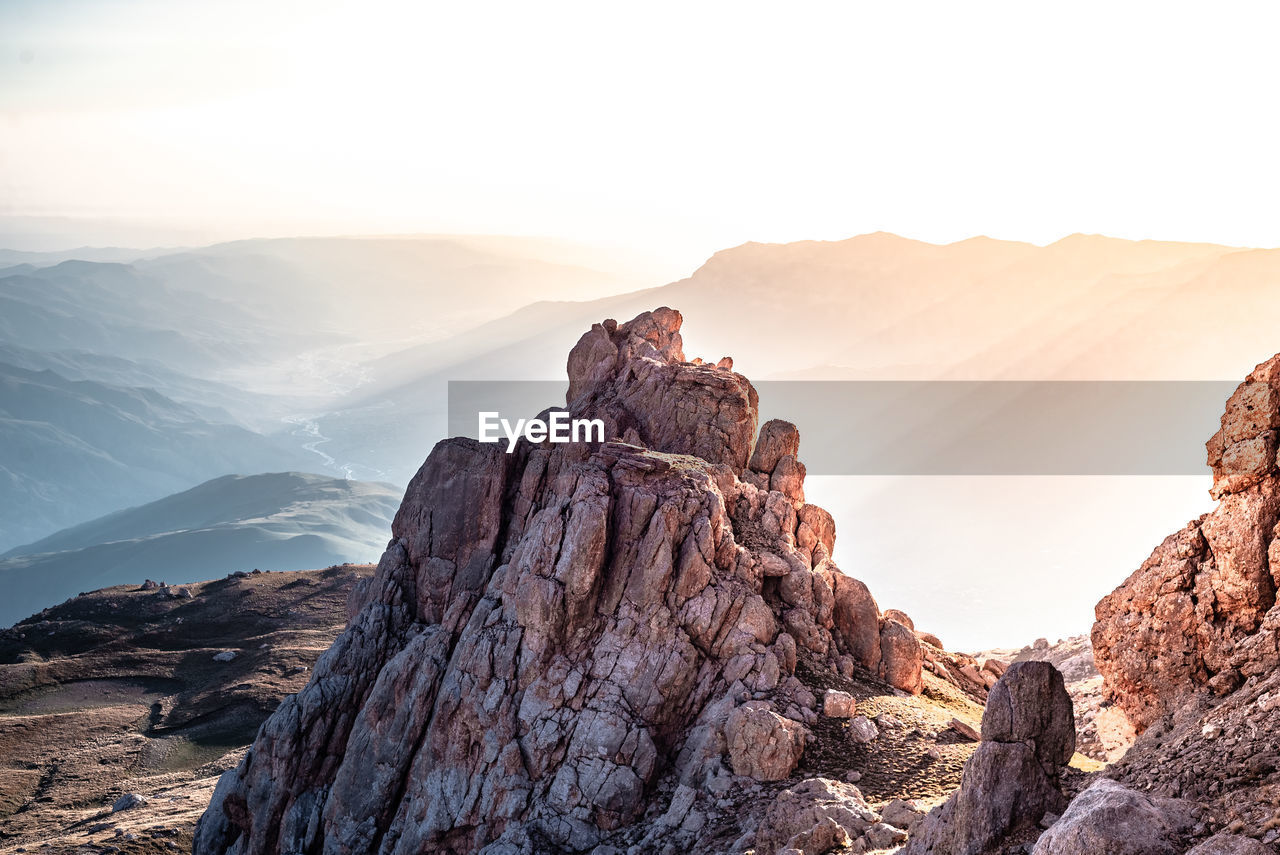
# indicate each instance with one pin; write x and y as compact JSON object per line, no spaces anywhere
{"x":762,"y":744}
{"x":900,"y":616}
{"x":1030,"y":704}
{"x":838,"y":704}
{"x":1229,"y":844}
{"x":901,"y":658}
{"x":814,"y":816}
{"x":966,"y":730}
{"x":778,"y":439}
{"x":862,"y":730}
{"x":1109,"y":817}
{"x":127,"y":802}
{"x":1012,"y":780}
{"x":930,"y":639}
{"x":902,"y":813}
{"x":857,"y":621}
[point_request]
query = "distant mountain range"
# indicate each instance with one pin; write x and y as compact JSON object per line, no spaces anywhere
{"x":140,"y":374}
{"x":75,"y":449}
{"x":874,"y":307}
{"x":278,"y":521}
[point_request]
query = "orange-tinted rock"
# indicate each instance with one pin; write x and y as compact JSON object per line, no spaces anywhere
{"x":1199,"y":612}
{"x":901,"y":660}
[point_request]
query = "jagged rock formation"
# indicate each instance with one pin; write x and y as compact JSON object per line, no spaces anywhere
{"x":1028,"y":736}
{"x":552,"y":631}
{"x":1200,"y":612}
{"x":1189,"y":645}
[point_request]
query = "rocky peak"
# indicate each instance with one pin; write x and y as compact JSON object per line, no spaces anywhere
{"x":556,"y":636}
{"x":636,"y":379}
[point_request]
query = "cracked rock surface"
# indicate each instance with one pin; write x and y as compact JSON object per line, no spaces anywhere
{"x":557,"y":636}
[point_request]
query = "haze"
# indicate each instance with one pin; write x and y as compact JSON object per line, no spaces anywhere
{"x":509,"y":173}
{"x":680,"y":128}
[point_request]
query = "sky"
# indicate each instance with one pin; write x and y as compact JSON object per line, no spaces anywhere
{"x":681,"y":127}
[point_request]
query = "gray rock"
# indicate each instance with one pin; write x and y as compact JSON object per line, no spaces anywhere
{"x":862,"y":731}
{"x":1230,"y":844}
{"x":1011,"y":781}
{"x":1109,"y":817}
{"x":1030,"y":703}
{"x":882,"y":836}
{"x":902,"y":813}
{"x":815,"y":815}
{"x":127,"y":802}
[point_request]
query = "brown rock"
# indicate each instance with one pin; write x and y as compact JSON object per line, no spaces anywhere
{"x":966,"y":730}
{"x":838,"y":704}
{"x":900,"y":616}
{"x":644,"y":392}
{"x":1197,"y":609}
{"x":902,"y":663}
{"x":931,"y":639}
{"x":762,"y":744}
{"x":857,"y":621}
{"x":777,"y":439}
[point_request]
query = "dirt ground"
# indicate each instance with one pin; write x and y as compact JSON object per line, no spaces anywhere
{"x":118,"y":691}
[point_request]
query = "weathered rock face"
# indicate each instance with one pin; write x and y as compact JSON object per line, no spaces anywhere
{"x":552,"y":631}
{"x":901,"y":662}
{"x":1223,"y":753}
{"x":1012,"y":781}
{"x":1109,"y":817}
{"x":1030,"y":705}
{"x":1201,"y":611}
{"x":1230,"y":844}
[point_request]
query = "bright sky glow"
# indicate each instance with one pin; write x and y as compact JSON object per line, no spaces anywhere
{"x":689,"y":125}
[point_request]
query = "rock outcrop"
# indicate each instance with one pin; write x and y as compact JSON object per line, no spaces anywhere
{"x":1012,"y":781}
{"x":1189,"y":645}
{"x":561,"y":640}
{"x":1200,"y":612}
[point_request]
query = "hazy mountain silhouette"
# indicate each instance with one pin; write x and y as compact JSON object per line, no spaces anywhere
{"x":72,"y":450}
{"x":355,"y":340}
{"x":278,"y":521}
